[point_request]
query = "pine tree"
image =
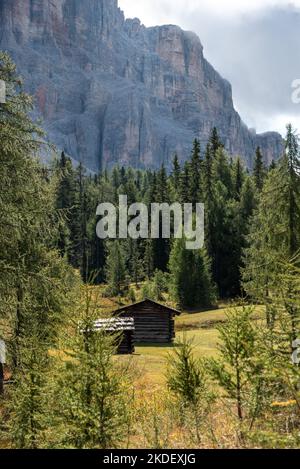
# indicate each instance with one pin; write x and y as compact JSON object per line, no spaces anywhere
{"x":238,"y":178}
{"x":129,"y":188}
{"x":32,"y":273}
{"x":134,"y":261}
{"x":184,"y":192}
{"x":214,"y":142}
{"x":259,"y":171}
{"x":115,"y":268}
{"x":248,"y":201}
{"x":162,"y":189}
{"x":149,"y":258}
{"x":65,"y":201}
{"x":242,"y":212}
{"x":34,"y":278}
{"x":175,"y":177}
{"x":97,"y":253}
{"x":195,"y":173}
{"x":187,"y":381}
{"x":208,"y":194}
{"x":225,"y":225}
{"x":274,"y":236}
{"x":218,"y":215}
{"x":234,"y":371}
{"x":94,"y":390}
{"x":185,"y":377}
{"x":79,"y":249}
{"x":222,"y":171}
{"x":278,"y":342}
{"x":293,"y":189}
{"x":161,"y":246}
{"x":208,"y":175}
{"x":191,"y":284}
{"x":28,"y":407}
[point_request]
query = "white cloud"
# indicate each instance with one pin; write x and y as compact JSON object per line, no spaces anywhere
{"x":253,"y":43}
{"x":154,"y":12}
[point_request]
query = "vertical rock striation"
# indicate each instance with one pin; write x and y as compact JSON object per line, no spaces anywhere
{"x":111,"y":90}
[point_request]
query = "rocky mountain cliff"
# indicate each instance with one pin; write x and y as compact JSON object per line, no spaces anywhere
{"x":111,"y":90}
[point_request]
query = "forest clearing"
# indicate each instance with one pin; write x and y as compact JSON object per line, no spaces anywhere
{"x":204,"y":365}
{"x":150,"y":361}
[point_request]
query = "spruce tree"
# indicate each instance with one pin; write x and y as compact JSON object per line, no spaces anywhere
{"x":214,"y":142}
{"x":259,"y":171}
{"x":208,"y":175}
{"x":115,"y":268}
{"x":222,"y":171}
{"x":161,"y":246}
{"x":134,"y":260}
{"x":184,"y":192}
{"x":191,"y":283}
{"x":218,"y":214}
{"x":175,"y":177}
{"x":238,"y":178}
{"x":149,"y":258}
{"x":65,"y":201}
{"x":195,"y":174}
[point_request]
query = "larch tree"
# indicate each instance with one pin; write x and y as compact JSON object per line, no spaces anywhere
{"x":275,"y":229}
{"x":93,"y":389}
{"x":35,"y":281}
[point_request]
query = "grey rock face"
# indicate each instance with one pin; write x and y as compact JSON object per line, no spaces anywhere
{"x":110,"y":90}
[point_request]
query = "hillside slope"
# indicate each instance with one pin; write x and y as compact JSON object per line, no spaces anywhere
{"x":111,"y":90}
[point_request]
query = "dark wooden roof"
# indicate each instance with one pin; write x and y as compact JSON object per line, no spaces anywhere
{"x":115,"y":324}
{"x":147,"y":301}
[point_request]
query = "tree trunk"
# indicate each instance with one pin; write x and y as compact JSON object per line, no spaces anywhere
{"x":238,"y":395}
{"x":1,"y":380}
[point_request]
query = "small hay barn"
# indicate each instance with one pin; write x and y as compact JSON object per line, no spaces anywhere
{"x":124,"y":326}
{"x":154,"y":322}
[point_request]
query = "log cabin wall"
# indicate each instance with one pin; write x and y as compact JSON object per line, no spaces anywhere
{"x":126,"y":344}
{"x":153,"y":323}
{"x":123,"y":328}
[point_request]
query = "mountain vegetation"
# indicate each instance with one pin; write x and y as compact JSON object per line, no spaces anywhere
{"x":67,"y":389}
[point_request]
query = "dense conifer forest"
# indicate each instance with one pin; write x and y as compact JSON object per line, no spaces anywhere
{"x":67,"y":389}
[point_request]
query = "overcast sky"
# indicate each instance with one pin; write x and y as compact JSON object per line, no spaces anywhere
{"x":255,"y":44}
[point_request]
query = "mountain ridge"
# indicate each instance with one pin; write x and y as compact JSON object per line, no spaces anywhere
{"x":111,"y":90}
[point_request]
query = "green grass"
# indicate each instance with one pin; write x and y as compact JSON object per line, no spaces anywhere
{"x":151,"y":360}
{"x":209,"y":319}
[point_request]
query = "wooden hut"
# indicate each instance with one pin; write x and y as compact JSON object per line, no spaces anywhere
{"x":124,"y":326}
{"x":154,"y":323}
